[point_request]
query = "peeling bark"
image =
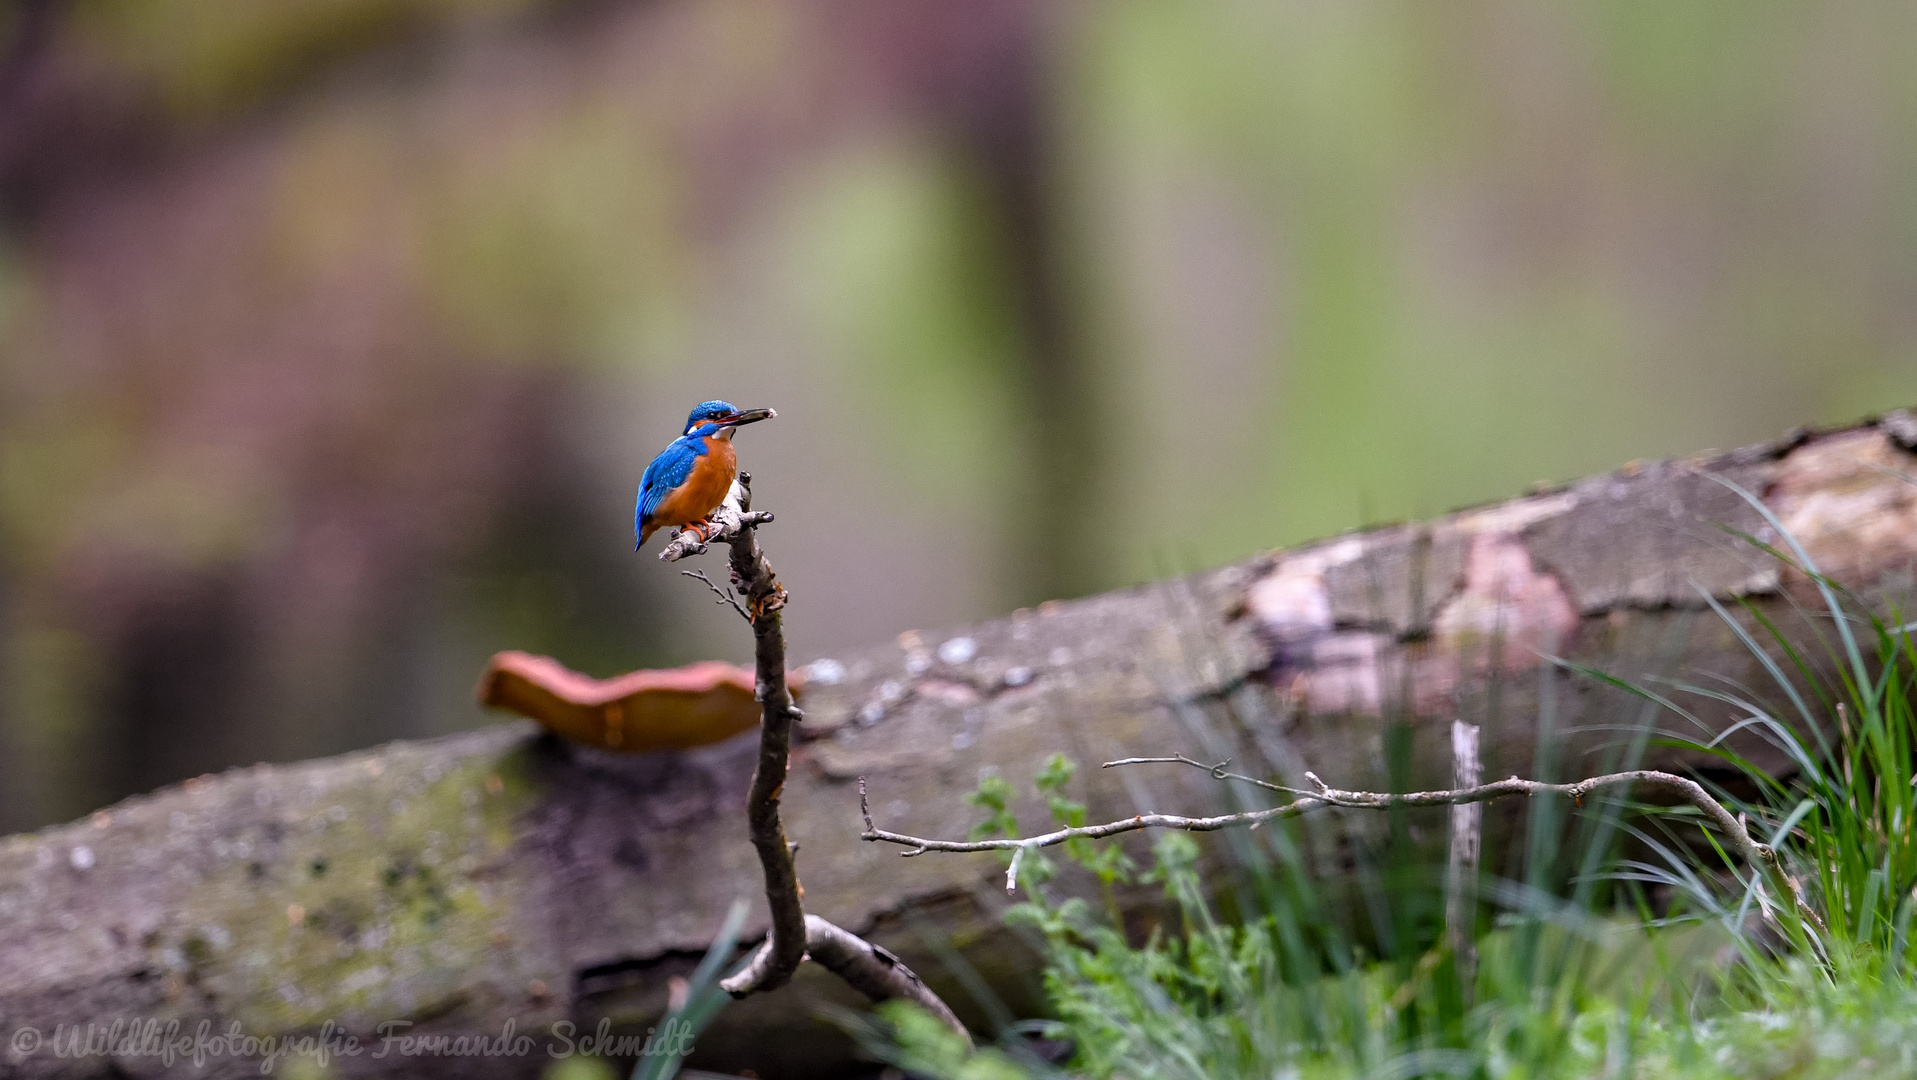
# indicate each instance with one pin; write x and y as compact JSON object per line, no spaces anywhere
{"x":503,"y":874}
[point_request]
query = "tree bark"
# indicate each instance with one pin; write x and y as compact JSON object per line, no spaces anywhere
{"x":502,"y":875}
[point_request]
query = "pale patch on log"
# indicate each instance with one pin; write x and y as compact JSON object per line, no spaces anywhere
{"x":1851,"y":502}
{"x":1505,"y":614}
{"x":1514,"y":517}
{"x":1509,"y":615}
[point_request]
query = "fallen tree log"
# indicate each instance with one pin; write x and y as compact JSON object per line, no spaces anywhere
{"x":456,"y":886}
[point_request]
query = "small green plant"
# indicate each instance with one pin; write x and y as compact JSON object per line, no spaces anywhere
{"x":1580,"y":975}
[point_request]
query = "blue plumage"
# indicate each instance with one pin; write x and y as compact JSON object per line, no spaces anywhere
{"x":669,"y":470}
{"x":710,"y":410}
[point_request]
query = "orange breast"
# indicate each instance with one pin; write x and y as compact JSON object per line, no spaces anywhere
{"x":704,"y":490}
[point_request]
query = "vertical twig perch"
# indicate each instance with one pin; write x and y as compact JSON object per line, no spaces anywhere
{"x":1461,"y":876}
{"x":867,"y":968}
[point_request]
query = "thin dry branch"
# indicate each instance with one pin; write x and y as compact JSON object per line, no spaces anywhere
{"x":793,"y":935}
{"x":1461,"y":869}
{"x":1217,"y":771}
{"x":870,"y":969}
{"x":1735,"y":835}
{"x":724,"y":596}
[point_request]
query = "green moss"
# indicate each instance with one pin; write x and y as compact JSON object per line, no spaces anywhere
{"x":375,"y":903}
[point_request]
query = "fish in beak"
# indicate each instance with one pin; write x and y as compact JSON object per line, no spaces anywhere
{"x":750,"y":416}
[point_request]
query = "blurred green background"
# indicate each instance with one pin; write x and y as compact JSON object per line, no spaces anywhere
{"x":335,"y":334}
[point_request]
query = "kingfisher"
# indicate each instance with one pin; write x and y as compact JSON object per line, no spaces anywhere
{"x":690,"y":478}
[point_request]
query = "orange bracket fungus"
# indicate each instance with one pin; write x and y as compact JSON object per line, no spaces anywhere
{"x":672,"y":709}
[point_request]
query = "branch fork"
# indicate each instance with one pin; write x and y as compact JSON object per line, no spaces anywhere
{"x":794,"y":935}
{"x":734,"y":517}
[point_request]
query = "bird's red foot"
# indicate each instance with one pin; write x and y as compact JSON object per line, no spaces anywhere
{"x":702,"y":529}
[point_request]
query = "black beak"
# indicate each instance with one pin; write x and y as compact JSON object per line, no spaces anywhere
{"x":750,"y":416}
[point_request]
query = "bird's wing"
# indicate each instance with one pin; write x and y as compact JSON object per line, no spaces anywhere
{"x":667,"y":471}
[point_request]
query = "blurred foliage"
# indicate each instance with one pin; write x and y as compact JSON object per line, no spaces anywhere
{"x":334,"y":334}
{"x":203,"y":59}
{"x":1472,"y":248}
